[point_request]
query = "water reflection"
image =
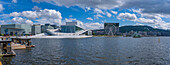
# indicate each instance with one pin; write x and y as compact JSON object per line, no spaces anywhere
{"x":95,"y":51}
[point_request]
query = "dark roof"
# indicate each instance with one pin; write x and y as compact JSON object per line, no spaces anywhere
{"x":2,"y":41}
{"x":22,"y":38}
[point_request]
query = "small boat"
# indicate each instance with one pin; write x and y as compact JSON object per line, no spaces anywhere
{"x":6,"y":49}
{"x":21,"y":43}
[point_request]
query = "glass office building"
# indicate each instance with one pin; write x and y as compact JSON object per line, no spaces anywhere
{"x":36,"y":29}
{"x":16,"y":29}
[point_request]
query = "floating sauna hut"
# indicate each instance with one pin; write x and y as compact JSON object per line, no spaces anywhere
{"x":6,"y":49}
{"x":21,"y":43}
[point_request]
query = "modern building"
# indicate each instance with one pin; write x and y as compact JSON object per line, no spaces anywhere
{"x":71,"y":23}
{"x":55,"y":26}
{"x":45,"y":27}
{"x":0,"y":29}
{"x":70,"y":27}
{"x":36,"y":29}
{"x":111,"y":28}
{"x":16,"y":29}
{"x":98,"y":32}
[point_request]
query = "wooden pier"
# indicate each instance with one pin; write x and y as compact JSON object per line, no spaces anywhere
{"x":21,"y":43}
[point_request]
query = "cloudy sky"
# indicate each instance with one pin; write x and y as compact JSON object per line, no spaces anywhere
{"x":90,"y":14}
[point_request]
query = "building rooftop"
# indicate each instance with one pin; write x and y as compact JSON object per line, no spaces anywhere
{"x":5,"y":41}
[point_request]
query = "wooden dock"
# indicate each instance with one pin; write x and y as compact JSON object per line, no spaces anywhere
{"x":21,"y":43}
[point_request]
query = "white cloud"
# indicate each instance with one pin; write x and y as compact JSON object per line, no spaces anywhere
{"x":49,"y":20}
{"x":28,"y":22}
{"x":108,"y":14}
{"x":139,"y":24}
{"x":127,"y":16}
{"x":1,"y":7}
{"x":114,"y":12}
{"x":85,"y":25}
{"x":15,"y":14}
{"x":154,"y":20}
{"x":148,"y":6}
{"x":94,"y":25}
{"x":70,"y":19}
{"x":20,"y":20}
{"x":98,"y":16}
{"x":51,"y":14}
{"x":137,"y":10}
{"x":43,"y":16}
{"x":163,"y":25}
{"x":14,"y":1}
{"x":2,"y":22}
{"x":30,"y":14}
{"x":143,"y":20}
{"x":89,"y":18}
{"x":98,"y":11}
{"x":102,"y":4}
{"x":87,"y":9}
{"x":36,"y":8}
{"x":43,"y":13}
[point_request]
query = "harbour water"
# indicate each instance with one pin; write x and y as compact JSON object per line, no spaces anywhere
{"x":94,"y":51}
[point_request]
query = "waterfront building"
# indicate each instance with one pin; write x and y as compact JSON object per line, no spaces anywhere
{"x":55,"y":26}
{"x":143,"y":33}
{"x":45,"y":27}
{"x":16,"y":29}
{"x":70,"y":27}
{"x":89,"y":32}
{"x":36,"y":29}
{"x":0,"y":29}
{"x":111,"y":28}
{"x":98,"y":32}
{"x":125,"y":34}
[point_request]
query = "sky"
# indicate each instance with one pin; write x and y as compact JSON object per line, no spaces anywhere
{"x":90,"y":14}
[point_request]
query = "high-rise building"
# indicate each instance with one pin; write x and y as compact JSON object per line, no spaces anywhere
{"x":111,"y":28}
{"x":36,"y":29}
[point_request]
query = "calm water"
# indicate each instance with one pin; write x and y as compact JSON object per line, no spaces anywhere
{"x":95,"y":51}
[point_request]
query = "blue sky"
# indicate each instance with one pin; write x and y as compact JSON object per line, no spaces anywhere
{"x":90,"y":14}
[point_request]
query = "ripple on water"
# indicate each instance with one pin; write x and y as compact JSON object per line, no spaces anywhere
{"x":94,"y":51}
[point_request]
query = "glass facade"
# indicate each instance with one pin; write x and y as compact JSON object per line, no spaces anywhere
{"x":16,"y":29}
{"x":70,"y":28}
{"x":36,"y":29}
